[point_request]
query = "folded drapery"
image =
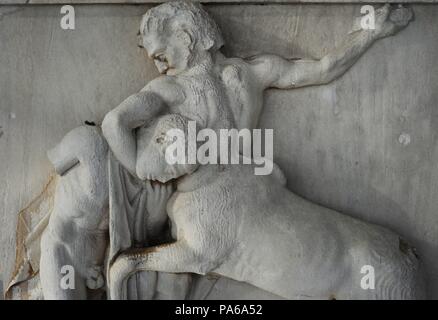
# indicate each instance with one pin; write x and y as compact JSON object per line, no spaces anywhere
{"x":32,"y":221}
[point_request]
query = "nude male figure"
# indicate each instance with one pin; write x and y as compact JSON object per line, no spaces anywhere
{"x":77,"y":234}
{"x":200,"y":83}
{"x":73,"y":244}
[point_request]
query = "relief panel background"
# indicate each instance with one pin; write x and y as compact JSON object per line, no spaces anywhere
{"x":365,"y":145}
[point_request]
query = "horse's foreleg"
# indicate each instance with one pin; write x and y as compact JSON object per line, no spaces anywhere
{"x":176,"y":257}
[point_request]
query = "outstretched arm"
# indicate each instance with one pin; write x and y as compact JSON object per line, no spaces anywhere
{"x":119,"y":124}
{"x":274,"y":71}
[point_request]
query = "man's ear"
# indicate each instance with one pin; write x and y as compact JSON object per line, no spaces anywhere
{"x":187,"y":38}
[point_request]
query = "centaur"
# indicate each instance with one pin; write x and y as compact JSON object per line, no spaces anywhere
{"x":198,"y":83}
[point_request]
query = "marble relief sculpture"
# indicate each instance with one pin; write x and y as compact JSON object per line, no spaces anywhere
{"x":135,"y":227}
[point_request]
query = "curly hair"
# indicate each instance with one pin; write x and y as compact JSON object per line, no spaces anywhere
{"x":188,"y":16}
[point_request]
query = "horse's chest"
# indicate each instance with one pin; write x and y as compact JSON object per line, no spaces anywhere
{"x":191,"y":208}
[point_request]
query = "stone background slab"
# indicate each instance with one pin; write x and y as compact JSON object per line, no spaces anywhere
{"x":30,"y":2}
{"x":365,"y":145}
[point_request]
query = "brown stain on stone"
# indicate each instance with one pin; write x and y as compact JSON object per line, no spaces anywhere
{"x":332,"y":297}
{"x":22,"y":231}
{"x":213,"y":276}
{"x":135,"y":253}
{"x":406,"y":248}
{"x":403,"y":246}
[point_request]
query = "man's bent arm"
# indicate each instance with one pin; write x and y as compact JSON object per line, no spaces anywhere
{"x":119,"y":124}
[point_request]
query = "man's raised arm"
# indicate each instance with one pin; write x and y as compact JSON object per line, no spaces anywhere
{"x":274,"y":71}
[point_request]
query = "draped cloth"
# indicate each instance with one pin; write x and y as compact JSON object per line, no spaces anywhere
{"x":127,"y":207}
{"x":127,"y":229}
{"x":127,"y":210}
{"x":32,"y":221}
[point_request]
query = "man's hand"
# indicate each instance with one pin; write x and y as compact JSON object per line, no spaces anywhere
{"x":390,"y":20}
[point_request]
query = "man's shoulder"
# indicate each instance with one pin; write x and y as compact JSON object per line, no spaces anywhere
{"x":161,"y":82}
{"x":166,"y":87}
{"x":238,"y":63}
{"x":235,"y":69}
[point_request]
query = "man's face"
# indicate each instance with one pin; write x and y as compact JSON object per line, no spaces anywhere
{"x":169,"y":51}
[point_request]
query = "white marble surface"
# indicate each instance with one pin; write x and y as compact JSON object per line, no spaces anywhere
{"x":365,"y":145}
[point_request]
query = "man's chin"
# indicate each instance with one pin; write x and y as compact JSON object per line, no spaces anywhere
{"x":161,"y":66}
{"x":172,"y":71}
{"x":163,"y":71}
{"x":168,"y":71}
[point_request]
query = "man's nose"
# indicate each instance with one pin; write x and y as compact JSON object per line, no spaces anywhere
{"x":152,"y":54}
{"x":139,"y":40}
{"x":153,"y":50}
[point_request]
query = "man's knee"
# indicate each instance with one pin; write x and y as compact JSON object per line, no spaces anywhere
{"x":83,"y":144}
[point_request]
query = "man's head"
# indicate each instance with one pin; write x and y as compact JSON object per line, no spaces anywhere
{"x":177,"y":34}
